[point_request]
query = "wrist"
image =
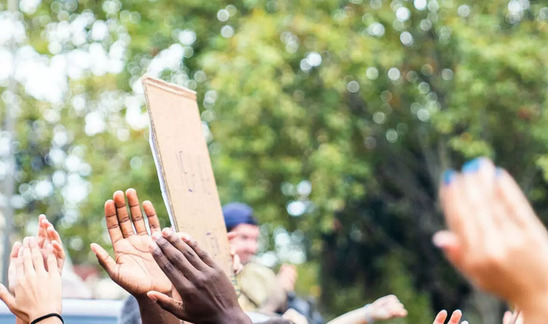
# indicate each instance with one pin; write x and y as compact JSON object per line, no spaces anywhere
{"x":234,"y":316}
{"x":46,"y":318}
{"x":368,"y":314}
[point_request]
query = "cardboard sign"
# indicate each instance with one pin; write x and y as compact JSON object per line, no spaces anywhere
{"x":184,"y":168}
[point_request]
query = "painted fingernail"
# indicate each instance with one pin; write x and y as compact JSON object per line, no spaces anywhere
{"x":471,"y":166}
{"x":448,"y":176}
{"x":156,"y":236}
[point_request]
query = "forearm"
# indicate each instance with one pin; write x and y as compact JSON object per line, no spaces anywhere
{"x":152,"y":313}
{"x":356,"y":316}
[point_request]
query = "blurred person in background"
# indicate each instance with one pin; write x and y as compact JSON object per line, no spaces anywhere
{"x":264,"y":291}
{"x":261,"y":289}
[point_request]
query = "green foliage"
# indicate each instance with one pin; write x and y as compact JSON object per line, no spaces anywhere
{"x":333,"y":119}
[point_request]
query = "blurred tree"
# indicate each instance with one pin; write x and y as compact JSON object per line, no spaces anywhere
{"x":333,"y":119}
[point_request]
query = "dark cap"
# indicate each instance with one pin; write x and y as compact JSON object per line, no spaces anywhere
{"x":236,"y":213}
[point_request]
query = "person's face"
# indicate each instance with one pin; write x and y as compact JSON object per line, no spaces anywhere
{"x":246,"y":241}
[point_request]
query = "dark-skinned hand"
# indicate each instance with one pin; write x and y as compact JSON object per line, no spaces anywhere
{"x":207,"y":295}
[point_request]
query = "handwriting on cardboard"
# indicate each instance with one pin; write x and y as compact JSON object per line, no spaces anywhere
{"x":184,"y":167}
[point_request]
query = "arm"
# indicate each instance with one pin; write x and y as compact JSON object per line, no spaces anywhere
{"x":384,"y":308}
{"x":495,"y":238}
{"x":207,"y":295}
{"x":134,"y":269}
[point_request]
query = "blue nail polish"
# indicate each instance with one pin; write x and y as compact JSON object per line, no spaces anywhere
{"x":448,"y":176}
{"x":471,"y":166}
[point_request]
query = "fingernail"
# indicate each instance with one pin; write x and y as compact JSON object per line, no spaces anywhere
{"x":471,"y":166}
{"x":156,"y":236}
{"x":448,"y":176}
{"x":437,"y":239}
{"x":153,"y":298}
{"x":166,"y":232}
{"x":152,"y":246}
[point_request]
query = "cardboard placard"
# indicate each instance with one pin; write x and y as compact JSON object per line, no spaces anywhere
{"x":184,"y":167}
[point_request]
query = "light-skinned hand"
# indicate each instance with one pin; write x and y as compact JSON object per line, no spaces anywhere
{"x":134,"y":269}
{"x":494,"y":238}
{"x":455,"y":317}
{"x":207,"y":295}
{"x":512,"y":317}
{"x":287,"y":277}
{"x":38,"y":290}
{"x":385,"y":308}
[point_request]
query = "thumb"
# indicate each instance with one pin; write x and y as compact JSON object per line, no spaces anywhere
{"x":105,"y":260}
{"x":7,"y":298}
{"x":169,"y":304}
{"x":449,"y":243}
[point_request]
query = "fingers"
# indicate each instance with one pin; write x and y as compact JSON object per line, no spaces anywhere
{"x":179,"y":281}
{"x":201,"y":253}
{"x":135,"y":211}
{"x":37,"y":258}
{"x":508,"y":317}
{"x":51,"y":261}
{"x":440,"y":318}
{"x":7,"y":298}
{"x":153,"y":222}
{"x":53,"y":235}
{"x":517,"y":207}
{"x":450,"y":195}
{"x":123,"y":217}
{"x":104,"y":259}
{"x":450,"y":245}
{"x":42,"y":234}
{"x":187,"y":253}
{"x":28,"y":267}
{"x":169,"y":304}
{"x":111,"y":218}
{"x":15,"y":250}
{"x":455,"y":317}
{"x":58,"y":249}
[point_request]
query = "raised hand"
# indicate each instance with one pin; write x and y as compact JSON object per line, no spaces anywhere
{"x":47,"y":233}
{"x":38,"y":289}
{"x":207,"y":295}
{"x":287,"y":276}
{"x":494,"y":238}
{"x":455,"y":317}
{"x":134,"y":269}
{"x":385,"y":308}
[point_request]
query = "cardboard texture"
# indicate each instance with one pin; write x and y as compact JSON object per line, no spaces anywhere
{"x":184,"y":167}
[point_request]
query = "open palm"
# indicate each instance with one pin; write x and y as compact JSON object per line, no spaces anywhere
{"x":134,"y":268}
